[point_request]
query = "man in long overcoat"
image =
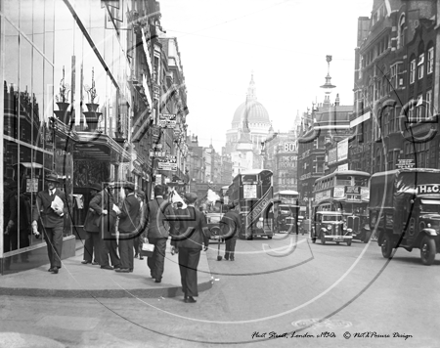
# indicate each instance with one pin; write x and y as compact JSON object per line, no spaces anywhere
{"x":160,"y":213}
{"x":92,"y":244}
{"x":102,"y":203}
{"x":128,"y":228}
{"x":230,"y":226}
{"x":51,"y":205}
{"x":191,"y":233}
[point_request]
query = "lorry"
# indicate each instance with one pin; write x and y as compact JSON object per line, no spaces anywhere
{"x":405,"y":211}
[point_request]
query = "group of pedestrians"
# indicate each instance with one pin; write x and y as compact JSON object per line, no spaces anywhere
{"x":139,"y":222}
{"x":100,"y":246}
{"x":136,"y":222}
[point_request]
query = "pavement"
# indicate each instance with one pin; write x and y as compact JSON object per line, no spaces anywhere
{"x":77,"y":280}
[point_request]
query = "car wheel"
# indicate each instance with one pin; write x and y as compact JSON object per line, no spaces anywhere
{"x":349,"y":242}
{"x":269,"y":237}
{"x":387,"y":246}
{"x":427,"y":251}
{"x":337,"y":243}
{"x":322,"y":238}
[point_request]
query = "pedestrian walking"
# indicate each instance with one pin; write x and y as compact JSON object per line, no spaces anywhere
{"x":128,"y":228}
{"x":143,"y":221}
{"x":50,"y":208}
{"x":230,"y":226}
{"x":92,"y":244}
{"x":108,"y":232}
{"x":160,"y":215}
{"x":191,"y":234}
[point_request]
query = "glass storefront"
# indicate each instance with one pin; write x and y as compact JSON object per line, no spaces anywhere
{"x":28,"y":147}
{"x":63,"y":59}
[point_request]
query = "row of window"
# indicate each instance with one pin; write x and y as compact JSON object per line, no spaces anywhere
{"x":419,"y":67}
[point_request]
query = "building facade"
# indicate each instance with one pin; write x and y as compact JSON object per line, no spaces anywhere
{"x":250,"y":126}
{"x":396,"y":88}
{"x":325,"y":124}
{"x":85,"y":83}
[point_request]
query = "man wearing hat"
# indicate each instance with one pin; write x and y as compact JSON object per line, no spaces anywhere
{"x":230,"y":226}
{"x":51,"y":205}
{"x":160,"y":215}
{"x":94,"y":225}
{"x":128,"y":229}
{"x":105,"y":203}
{"x":191,"y":233}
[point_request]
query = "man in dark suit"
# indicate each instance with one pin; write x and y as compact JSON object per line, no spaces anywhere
{"x":92,"y":244}
{"x":105,"y":201}
{"x":191,"y":233}
{"x":128,"y":228}
{"x":143,"y":221}
{"x":230,"y":226}
{"x":160,"y":214}
{"x":51,"y":206}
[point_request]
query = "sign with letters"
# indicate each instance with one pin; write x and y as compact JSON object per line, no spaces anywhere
{"x":167,"y":120}
{"x":405,"y":163}
{"x":167,"y":163}
{"x":429,"y":188}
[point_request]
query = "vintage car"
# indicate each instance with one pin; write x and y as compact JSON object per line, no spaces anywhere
{"x":213,"y":221}
{"x":329,"y":226}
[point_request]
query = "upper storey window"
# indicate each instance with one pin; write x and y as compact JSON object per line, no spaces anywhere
{"x":430,"y":62}
{"x":401,"y":32}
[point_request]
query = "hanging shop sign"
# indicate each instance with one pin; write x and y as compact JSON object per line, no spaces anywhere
{"x":167,"y":163}
{"x":157,"y":153}
{"x":167,"y":120}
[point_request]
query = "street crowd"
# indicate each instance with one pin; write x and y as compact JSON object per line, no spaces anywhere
{"x":117,"y":233}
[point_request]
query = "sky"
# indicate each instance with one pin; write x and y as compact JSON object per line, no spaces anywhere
{"x":283,"y":42}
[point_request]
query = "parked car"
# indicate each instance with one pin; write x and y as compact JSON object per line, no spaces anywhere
{"x":329,"y":226}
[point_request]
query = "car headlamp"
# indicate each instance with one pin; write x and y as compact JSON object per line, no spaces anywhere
{"x":329,"y":227}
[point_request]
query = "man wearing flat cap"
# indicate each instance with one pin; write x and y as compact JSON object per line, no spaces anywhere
{"x":128,"y":229}
{"x":191,"y":233}
{"x":51,"y":205}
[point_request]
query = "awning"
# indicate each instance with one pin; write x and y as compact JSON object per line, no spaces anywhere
{"x":100,"y":147}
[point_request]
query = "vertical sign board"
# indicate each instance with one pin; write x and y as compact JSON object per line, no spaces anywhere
{"x":342,"y":153}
